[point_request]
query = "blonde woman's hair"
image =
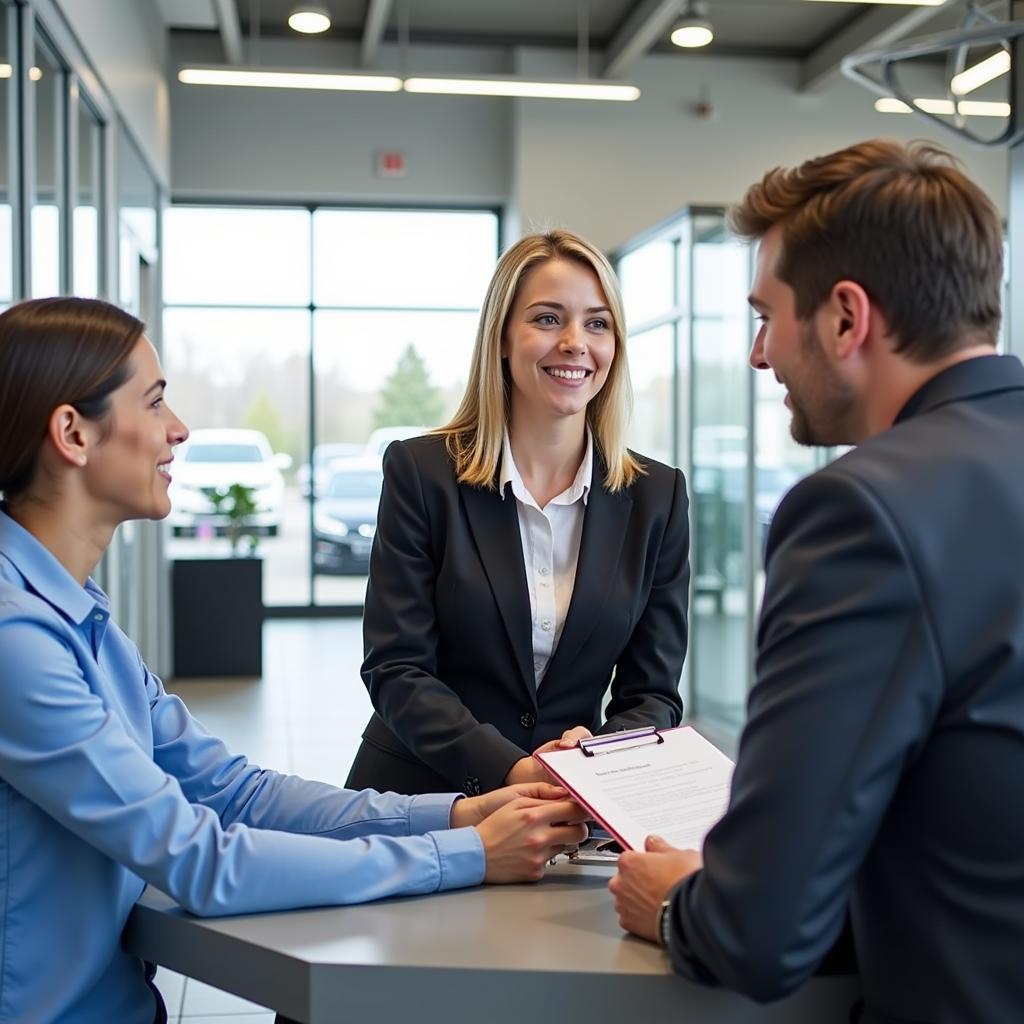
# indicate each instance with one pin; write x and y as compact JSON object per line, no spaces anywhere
{"x":474,"y":435}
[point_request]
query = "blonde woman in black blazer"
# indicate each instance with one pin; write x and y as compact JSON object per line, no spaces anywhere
{"x":524,"y":560}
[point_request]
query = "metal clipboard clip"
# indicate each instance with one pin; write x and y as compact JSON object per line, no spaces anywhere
{"x":596,"y":746}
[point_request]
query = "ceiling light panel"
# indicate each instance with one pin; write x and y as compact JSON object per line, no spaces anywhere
{"x":522,"y":89}
{"x":980,"y":74}
{"x":260,"y":79}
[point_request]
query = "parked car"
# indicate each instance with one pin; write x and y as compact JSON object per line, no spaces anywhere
{"x":218,"y":457}
{"x":345,"y":517}
{"x":379,"y":439}
{"x":313,"y":481}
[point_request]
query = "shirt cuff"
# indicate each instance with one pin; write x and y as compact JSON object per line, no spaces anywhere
{"x":460,"y":853}
{"x":430,"y":812}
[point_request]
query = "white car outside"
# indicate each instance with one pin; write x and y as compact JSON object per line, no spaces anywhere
{"x":217,"y":457}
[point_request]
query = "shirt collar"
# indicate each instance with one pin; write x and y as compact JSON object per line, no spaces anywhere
{"x":970,"y":378}
{"x":46,"y":576}
{"x":579,"y":488}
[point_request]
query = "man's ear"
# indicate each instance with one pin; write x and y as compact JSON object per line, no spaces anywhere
{"x":847,"y":318}
{"x":73,"y":437}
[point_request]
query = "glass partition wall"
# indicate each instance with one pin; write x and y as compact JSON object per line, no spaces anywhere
{"x":701,"y":407}
{"x":60,"y":162}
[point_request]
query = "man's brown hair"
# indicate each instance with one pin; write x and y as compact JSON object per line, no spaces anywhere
{"x":905,"y":223}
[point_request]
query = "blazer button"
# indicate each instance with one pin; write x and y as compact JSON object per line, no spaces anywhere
{"x":472,"y":787}
{"x":528,"y":720}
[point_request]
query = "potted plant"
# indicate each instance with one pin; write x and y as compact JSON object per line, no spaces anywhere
{"x":218,"y":602}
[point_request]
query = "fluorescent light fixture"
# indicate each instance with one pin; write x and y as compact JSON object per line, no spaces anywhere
{"x":309,"y":19}
{"x":289,"y":80}
{"x":895,"y":3}
{"x":522,"y":89}
{"x":693,"y":29}
{"x":969,"y":108}
{"x":33,"y":73}
{"x":980,"y":74}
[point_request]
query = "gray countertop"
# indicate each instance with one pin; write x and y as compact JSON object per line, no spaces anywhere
{"x":498,"y":954}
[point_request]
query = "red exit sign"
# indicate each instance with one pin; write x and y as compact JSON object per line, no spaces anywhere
{"x":390,"y":163}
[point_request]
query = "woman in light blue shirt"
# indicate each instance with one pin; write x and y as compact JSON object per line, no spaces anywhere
{"x":106,"y":782}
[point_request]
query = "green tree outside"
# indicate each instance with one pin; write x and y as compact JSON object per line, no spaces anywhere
{"x":407,"y":396}
{"x":263,"y":414}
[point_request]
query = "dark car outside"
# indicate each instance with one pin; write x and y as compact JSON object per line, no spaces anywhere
{"x":345,"y":517}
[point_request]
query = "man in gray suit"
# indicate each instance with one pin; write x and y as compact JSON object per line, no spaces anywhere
{"x":879,"y":774}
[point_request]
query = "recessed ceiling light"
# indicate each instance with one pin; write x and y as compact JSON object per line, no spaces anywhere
{"x":693,"y":29}
{"x":309,"y":20}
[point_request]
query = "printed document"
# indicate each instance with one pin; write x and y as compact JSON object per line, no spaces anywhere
{"x":677,"y":788}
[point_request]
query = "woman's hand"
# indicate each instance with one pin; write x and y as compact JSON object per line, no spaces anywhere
{"x":473,"y":810}
{"x":521,"y":837}
{"x":529,"y":769}
{"x":569,"y":740}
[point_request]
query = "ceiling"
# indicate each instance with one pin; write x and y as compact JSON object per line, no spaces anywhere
{"x":818,"y":34}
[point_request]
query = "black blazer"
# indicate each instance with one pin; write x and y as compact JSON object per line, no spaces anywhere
{"x":447,"y":631}
{"x":882,"y":763}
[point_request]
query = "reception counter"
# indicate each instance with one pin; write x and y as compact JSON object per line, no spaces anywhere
{"x":496,"y":954}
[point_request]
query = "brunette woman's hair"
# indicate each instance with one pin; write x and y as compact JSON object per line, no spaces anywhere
{"x":61,"y":351}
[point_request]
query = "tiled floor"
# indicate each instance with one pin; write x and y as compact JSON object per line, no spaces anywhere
{"x":304,"y":716}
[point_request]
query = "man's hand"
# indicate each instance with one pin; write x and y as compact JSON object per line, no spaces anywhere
{"x":529,"y":769}
{"x":473,"y":810}
{"x":521,"y":837}
{"x":644,"y":881}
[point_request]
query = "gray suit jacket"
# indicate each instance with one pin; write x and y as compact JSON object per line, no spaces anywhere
{"x":448,"y":637}
{"x":880,"y":771}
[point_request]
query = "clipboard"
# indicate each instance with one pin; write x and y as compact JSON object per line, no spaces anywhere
{"x":669,"y":782}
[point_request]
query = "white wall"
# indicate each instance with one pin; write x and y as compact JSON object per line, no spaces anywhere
{"x":611,"y":170}
{"x":607,"y":170}
{"x":321,"y":145}
{"x":125,"y":41}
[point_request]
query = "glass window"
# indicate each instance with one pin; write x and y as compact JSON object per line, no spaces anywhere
{"x":719,"y":484}
{"x":236,"y":256}
{"x":380,"y":377}
{"x":388,"y":258}
{"x":652,"y":370}
{"x":387,"y":348}
{"x":6,"y":216}
{"x":50,"y":157}
{"x":239,"y":380}
{"x":88,"y":254}
{"x":648,"y":281}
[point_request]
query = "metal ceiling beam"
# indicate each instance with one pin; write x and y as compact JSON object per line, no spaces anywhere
{"x":874,"y":29}
{"x":644,"y":25}
{"x":230,"y":28}
{"x":377,"y":12}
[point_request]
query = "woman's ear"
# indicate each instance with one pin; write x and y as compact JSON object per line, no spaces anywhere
{"x":71,"y":435}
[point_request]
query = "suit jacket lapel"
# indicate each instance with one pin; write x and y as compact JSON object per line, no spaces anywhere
{"x":495,"y":526}
{"x":604,"y":527}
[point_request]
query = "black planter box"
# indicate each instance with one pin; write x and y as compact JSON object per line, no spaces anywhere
{"x":217,"y":605}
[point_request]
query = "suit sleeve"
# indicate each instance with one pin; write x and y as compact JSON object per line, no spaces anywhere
{"x":849,"y":681}
{"x":645,"y":690}
{"x":400,"y":643}
{"x":64,"y":749}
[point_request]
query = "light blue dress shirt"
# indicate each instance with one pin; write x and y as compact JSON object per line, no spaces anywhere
{"x":107,"y":783}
